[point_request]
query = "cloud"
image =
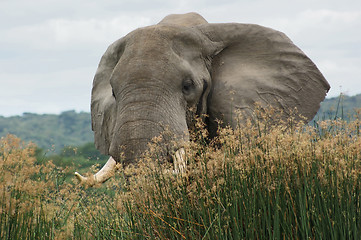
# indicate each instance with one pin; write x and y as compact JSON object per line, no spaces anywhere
{"x":50,"y":92}
{"x":70,"y":33}
{"x":331,"y":17}
{"x":50,"y":49}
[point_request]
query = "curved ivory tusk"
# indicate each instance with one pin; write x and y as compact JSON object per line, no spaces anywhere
{"x":179,"y":159}
{"x":103,"y":175}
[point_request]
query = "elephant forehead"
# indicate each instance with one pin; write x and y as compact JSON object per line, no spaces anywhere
{"x":163,"y":37}
{"x":158,"y":49}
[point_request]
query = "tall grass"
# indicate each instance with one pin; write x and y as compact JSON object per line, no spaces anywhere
{"x":260,"y":181}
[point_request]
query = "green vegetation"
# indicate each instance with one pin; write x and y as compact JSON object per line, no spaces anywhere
{"x":49,"y":131}
{"x":80,"y":158}
{"x":257,"y":182}
{"x":54,"y":132}
{"x":342,"y":107}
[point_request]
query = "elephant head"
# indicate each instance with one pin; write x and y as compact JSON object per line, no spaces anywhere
{"x":148,"y":80}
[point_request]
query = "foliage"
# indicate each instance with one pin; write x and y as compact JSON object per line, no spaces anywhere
{"x":35,"y":200}
{"x":49,"y":131}
{"x":28,"y":201}
{"x":260,"y":181}
{"x":80,"y":158}
{"x":339,"y":107}
{"x":54,"y":132}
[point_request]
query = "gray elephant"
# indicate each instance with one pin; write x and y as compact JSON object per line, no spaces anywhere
{"x":148,"y":80}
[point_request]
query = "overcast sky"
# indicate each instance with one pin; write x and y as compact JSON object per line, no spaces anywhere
{"x":50,"y":49}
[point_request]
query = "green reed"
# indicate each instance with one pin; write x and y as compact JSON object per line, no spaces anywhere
{"x":261,"y":181}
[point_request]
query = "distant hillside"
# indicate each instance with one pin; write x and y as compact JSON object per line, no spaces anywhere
{"x":53,"y":132}
{"x":50,"y":131}
{"x":341,"y":107}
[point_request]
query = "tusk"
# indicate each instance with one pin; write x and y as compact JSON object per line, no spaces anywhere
{"x":180,"y":163}
{"x":103,"y":175}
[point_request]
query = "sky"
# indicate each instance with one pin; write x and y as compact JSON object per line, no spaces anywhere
{"x":50,"y":49}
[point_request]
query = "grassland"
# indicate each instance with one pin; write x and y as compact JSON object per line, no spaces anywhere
{"x":260,"y":181}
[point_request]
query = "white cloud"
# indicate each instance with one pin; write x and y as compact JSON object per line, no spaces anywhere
{"x":49,"y":49}
{"x":331,"y":17}
{"x":94,"y":30}
{"x":320,"y":23}
{"x":60,"y":33}
{"x":46,"y":92}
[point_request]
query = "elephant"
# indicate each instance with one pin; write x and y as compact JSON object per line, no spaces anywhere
{"x":161,"y":76}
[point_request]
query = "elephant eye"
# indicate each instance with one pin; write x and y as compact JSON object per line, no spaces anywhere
{"x":188,"y":85}
{"x":113,"y":93}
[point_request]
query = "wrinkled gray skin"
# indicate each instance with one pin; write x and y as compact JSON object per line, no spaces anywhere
{"x":148,"y":80}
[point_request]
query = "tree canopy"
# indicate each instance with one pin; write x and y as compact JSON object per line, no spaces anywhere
{"x":55,"y":132}
{"x":49,"y":131}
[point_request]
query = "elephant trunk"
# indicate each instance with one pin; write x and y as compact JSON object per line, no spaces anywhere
{"x":133,"y":140}
{"x":141,"y":117}
{"x":145,"y":115}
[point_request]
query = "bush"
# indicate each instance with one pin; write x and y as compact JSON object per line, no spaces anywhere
{"x":35,"y":202}
{"x":260,"y":181}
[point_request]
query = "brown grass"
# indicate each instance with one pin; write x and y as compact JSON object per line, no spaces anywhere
{"x":276,"y":154}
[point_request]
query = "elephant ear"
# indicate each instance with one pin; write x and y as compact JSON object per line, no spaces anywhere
{"x":258,"y":64}
{"x":102,"y":100}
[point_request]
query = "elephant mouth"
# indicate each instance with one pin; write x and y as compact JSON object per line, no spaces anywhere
{"x":111,"y":166}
